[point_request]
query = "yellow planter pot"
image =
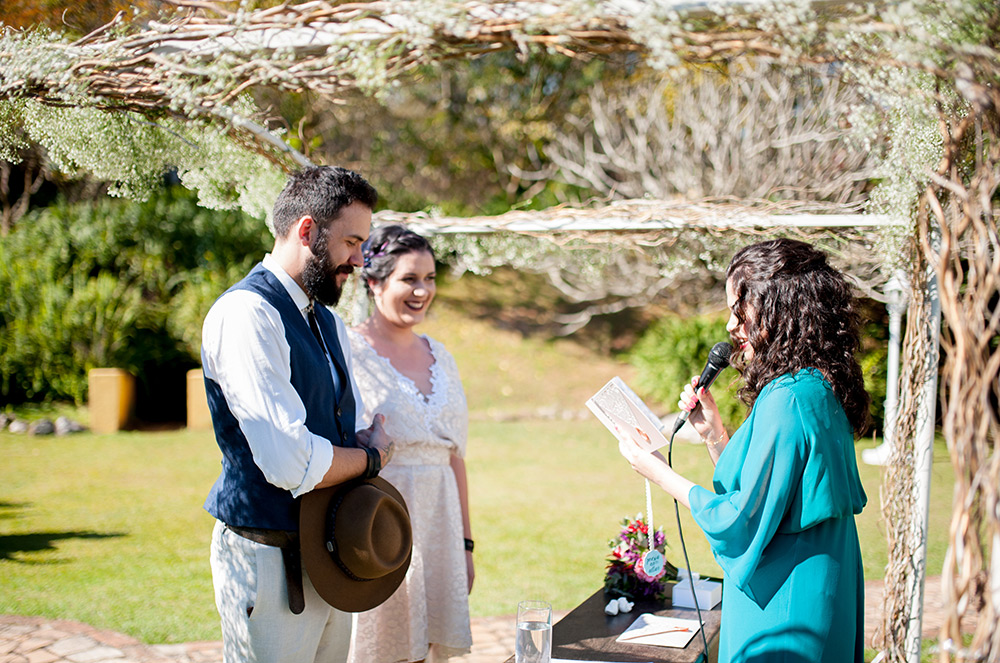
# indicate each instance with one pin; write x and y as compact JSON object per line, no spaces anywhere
{"x":198,"y":415}
{"x":111,"y":399}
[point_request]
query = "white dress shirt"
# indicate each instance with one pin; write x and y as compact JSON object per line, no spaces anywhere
{"x":243,"y":349}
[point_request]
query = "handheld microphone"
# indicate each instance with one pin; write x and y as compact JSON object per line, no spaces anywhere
{"x":718,"y":359}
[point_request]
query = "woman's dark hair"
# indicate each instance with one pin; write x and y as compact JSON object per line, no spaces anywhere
{"x":797,"y":312}
{"x":384,"y":247}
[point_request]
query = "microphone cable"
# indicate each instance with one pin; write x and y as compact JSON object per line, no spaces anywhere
{"x":718,"y":359}
{"x":687,"y":563}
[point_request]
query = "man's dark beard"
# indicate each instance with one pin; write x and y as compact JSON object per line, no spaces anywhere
{"x":320,"y":277}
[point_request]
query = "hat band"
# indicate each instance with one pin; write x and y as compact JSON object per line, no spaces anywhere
{"x":331,"y":543}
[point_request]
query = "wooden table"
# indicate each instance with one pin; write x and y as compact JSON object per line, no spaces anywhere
{"x":587,"y":634}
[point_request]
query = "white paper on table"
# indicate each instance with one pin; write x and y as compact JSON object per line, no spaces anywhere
{"x":650,"y":629}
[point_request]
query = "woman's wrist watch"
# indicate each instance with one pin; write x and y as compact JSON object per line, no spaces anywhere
{"x":469,"y":545}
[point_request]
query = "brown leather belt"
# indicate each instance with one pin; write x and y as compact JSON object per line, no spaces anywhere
{"x":288,"y":542}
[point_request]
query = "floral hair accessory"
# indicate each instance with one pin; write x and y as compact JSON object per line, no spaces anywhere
{"x":625,"y":575}
{"x":371,"y":255}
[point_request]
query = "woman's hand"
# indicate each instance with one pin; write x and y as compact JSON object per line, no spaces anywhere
{"x":645,"y":463}
{"x":470,"y":569}
{"x":705,"y":419}
{"x":653,"y":466}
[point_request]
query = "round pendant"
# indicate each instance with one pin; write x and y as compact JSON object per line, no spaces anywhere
{"x":651,"y":566}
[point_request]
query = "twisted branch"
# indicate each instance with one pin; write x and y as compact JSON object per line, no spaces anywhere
{"x":207,"y":55}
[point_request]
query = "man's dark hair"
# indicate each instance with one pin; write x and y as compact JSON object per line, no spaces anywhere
{"x":320,"y":192}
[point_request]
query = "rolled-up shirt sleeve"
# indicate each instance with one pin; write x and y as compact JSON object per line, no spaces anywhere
{"x":244,"y":350}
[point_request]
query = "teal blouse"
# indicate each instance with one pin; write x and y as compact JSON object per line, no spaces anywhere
{"x":781,"y":525}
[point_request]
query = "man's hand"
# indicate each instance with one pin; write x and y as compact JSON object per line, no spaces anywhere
{"x":375,"y":437}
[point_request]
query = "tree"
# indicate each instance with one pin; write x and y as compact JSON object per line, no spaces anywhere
{"x":749,"y":129}
{"x":75,"y":17}
{"x":18,"y":183}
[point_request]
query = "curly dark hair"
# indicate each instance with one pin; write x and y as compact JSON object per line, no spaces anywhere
{"x":797,"y":312}
{"x":384,"y":247}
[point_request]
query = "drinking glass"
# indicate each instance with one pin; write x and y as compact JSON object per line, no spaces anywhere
{"x":533,"y":643}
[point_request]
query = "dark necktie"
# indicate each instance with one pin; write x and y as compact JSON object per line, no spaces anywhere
{"x":338,"y":378}
{"x":314,"y":325}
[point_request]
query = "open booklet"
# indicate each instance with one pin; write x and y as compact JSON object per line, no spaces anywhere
{"x":621,"y":410}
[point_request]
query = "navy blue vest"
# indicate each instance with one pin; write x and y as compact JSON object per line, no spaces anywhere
{"x":241,"y":495}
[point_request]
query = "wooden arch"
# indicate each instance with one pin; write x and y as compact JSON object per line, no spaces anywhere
{"x":200,"y":62}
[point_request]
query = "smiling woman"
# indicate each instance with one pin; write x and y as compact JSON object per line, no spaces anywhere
{"x":414,"y":381}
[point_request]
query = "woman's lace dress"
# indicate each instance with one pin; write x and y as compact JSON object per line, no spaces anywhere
{"x":428,"y":616}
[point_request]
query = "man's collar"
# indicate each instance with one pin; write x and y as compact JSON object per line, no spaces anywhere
{"x":298,"y":295}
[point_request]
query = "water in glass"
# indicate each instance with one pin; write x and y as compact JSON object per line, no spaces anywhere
{"x":533,"y":643}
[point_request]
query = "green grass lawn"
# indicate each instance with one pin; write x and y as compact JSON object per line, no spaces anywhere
{"x":109,"y":530}
{"x":505,"y":373}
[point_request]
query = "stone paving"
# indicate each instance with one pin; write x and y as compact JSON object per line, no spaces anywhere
{"x":38,"y":640}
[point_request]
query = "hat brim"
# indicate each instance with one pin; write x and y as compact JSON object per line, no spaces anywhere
{"x":331,"y":583}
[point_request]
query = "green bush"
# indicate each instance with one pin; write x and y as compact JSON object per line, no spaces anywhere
{"x":873,"y":356}
{"x":114,"y":283}
{"x":195,"y":294}
{"x":875,"y":369}
{"x":672,"y":350}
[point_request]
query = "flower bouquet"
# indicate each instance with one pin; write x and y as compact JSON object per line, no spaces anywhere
{"x":625,"y":575}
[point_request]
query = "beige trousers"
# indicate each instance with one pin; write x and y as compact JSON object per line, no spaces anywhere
{"x":252,"y":597}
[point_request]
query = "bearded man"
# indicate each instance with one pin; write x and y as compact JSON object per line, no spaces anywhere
{"x":284,"y":408}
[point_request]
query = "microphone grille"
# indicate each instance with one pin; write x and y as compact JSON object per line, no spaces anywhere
{"x":720,"y":352}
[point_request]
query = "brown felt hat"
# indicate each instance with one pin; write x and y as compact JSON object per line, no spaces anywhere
{"x":356,"y":542}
